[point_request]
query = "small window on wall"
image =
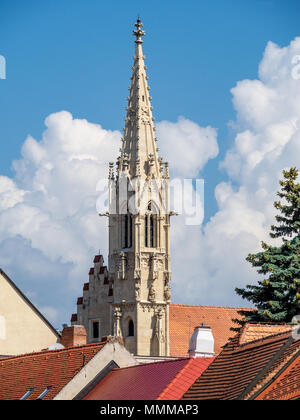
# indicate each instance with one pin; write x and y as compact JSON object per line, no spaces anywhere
{"x":95,"y":330}
{"x":130,"y":328}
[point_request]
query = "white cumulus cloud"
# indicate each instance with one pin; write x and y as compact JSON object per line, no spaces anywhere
{"x":187,"y":146}
{"x":267,"y":140}
{"x":49,"y":227}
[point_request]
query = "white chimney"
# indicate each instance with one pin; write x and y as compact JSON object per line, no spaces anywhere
{"x":202,"y":342}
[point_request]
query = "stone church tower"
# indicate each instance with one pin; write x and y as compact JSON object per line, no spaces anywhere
{"x":131,"y":299}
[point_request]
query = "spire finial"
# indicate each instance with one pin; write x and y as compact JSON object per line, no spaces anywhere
{"x":138,"y":32}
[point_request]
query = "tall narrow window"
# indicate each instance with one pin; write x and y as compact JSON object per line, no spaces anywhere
{"x":146,"y":230}
{"x":150,"y":228}
{"x":95,"y":330}
{"x":130,"y":231}
{"x":151,"y":231}
{"x":130,"y":328}
{"x":127,"y":231}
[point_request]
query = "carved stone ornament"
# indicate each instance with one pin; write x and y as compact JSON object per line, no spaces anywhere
{"x":122,"y":266}
{"x":117,"y":328}
{"x":152,"y":294}
{"x":167,"y":293}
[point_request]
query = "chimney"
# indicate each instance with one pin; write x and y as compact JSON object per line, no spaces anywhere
{"x":73,"y":336}
{"x":202,"y":342}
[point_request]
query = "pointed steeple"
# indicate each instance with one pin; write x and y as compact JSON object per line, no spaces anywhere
{"x":139,"y":150}
{"x":131,"y":299}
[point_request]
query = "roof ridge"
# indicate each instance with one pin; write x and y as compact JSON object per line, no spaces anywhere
{"x":269,"y":323}
{"x":26,"y":299}
{"x":44,"y":352}
{"x":208,"y":306}
{"x":181,"y":372}
{"x":284,"y":369}
{"x":151,"y":363}
{"x":163,"y":392}
{"x":271,"y":363}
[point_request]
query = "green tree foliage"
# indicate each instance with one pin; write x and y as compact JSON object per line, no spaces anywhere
{"x":277,"y":297}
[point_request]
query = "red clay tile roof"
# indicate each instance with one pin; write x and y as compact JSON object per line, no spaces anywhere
{"x":86,"y":286}
{"x":97,"y":258}
{"x":184,"y":319}
{"x":161,"y":380}
{"x":184,"y":378}
{"x":252,"y":332}
{"x":79,"y":301}
{"x":39,"y":370}
{"x":91,"y":271}
{"x":241,"y":367}
{"x":286,"y":386}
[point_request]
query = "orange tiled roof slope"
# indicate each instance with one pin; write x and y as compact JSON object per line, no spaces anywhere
{"x":40,"y":370}
{"x":167,"y":380}
{"x":243,"y":368}
{"x":252,"y":332}
{"x":184,"y":319}
{"x":287,"y":385}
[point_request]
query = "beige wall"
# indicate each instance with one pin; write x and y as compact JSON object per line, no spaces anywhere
{"x":22,"y":329}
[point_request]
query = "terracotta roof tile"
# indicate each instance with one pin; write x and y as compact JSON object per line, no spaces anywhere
{"x":161,"y":380}
{"x":80,"y":301}
{"x":184,"y":319}
{"x":39,"y":370}
{"x":91,"y":271}
{"x":97,"y":258}
{"x":239,"y":365}
{"x":185,"y":378}
{"x":286,"y":386}
{"x":86,"y":286}
{"x":252,"y":332}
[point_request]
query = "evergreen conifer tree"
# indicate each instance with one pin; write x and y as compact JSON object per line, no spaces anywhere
{"x":277,"y":297}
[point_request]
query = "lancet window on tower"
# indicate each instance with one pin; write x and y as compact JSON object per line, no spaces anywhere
{"x":150,"y":227}
{"x":130,"y":328}
{"x":126,"y":230}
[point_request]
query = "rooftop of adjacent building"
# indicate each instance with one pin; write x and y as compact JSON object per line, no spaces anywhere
{"x":165,"y":380}
{"x":250,"y":363}
{"x":184,"y":318}
{"x":49,"y":370}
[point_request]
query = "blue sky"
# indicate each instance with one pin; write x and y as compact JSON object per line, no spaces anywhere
{"x":76,"y":55}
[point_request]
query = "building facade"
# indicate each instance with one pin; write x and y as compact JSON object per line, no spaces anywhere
{"x":23,"y":329}
{"x":131,"y":298}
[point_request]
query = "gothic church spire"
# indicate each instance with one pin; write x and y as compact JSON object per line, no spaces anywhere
{"x":139,"y":150}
